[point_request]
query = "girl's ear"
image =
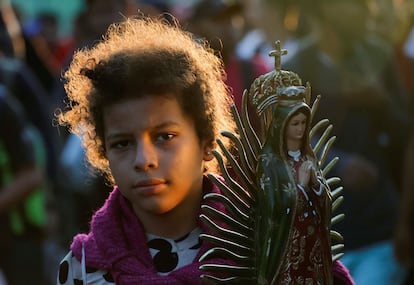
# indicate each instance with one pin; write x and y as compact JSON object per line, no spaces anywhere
{"x":207,"y":154}
{"x":208,"y":146}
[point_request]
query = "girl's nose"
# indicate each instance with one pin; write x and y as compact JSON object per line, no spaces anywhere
{"x":146,"y":156}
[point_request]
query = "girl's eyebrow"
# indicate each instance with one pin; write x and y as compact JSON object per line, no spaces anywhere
{"x":162,"y":125}
{"x":165,"y":124}
{"x":115,"y":136}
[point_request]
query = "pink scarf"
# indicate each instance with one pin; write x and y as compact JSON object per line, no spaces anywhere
{"x":117,"y":243}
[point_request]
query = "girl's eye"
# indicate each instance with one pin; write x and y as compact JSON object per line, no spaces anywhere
{"x":165,"y":137}
{"x":120,"y":144}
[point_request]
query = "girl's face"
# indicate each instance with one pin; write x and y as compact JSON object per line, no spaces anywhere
{"x":155,"y":155}
{"x":295,"y":128}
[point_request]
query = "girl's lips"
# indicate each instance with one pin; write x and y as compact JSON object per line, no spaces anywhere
{"x":150,"y":186}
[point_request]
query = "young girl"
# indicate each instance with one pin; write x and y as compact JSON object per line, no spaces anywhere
{"x":148,"y":103}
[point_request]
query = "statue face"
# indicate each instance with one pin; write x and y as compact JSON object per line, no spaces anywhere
{"x":295,"y":129}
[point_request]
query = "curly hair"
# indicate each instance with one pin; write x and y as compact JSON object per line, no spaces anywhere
{"x":138,"y":57}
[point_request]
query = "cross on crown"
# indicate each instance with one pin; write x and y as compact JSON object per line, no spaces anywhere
{"x":277,"y":53}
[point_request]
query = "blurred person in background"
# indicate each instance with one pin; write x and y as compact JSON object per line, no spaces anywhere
{"x":283,"y":20}
{"x":394,"y":23}
{"x":46,"y":50}
{"x":28,"y":161}
{"x":22,"y":82}
{"x":404,"y":237}
{"x":223,"y":24}
{"x":95,"y":18}
{"x":23,"y":217}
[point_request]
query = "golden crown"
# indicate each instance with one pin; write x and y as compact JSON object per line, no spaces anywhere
{"x":278,"y":86}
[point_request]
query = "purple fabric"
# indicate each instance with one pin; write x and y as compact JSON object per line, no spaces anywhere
{"x":117,"y":243}
{"x":341,"y":274}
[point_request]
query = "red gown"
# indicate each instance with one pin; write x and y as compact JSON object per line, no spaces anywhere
{"x":308,"y":246}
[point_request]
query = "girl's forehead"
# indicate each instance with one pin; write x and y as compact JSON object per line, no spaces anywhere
{"x":149,"y":100}
{"x":148,"y":110}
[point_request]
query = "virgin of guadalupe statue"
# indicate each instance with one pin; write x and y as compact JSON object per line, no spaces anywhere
{"x":304,"y":201}
{"x":279,"y":201}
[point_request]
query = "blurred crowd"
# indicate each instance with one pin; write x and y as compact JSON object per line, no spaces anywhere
{"x":358,"y":54}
